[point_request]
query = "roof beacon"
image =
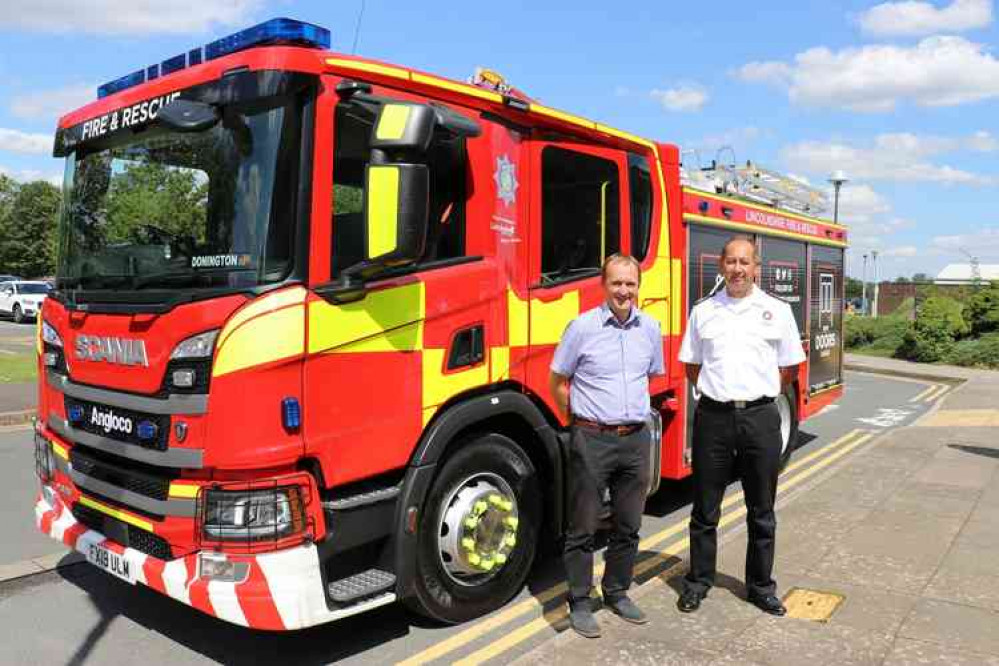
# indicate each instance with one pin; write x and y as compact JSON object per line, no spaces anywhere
{"x":274,"y":31}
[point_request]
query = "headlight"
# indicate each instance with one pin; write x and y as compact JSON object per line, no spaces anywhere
{"x":197,"y":346}
{"x":252,"y":516}
{"x":49,"y":334}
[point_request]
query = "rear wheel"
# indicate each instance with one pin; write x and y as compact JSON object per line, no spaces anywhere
{"x":478,"y":531}
{"x":18,"y":314}
{"x":787,"y":407}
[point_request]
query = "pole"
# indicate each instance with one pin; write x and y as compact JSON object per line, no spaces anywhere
{"x":863,"y":289}
{"x":874,"y":255}
{"x":836,"y":186}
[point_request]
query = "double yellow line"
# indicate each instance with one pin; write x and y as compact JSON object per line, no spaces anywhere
{"x":789,"y":479}
{"x":932,"y":393}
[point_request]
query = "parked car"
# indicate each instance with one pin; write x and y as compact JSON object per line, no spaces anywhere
{"x":21,"y":299}
{"x":9,"y":278}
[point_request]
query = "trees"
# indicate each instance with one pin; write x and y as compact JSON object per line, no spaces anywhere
{"x":28,"y":217}
{"x":982,"y":310}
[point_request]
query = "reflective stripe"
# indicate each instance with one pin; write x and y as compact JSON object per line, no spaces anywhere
{"x":225,"y":602}
{"x":114,"y":513}
{"x":175,"y":581}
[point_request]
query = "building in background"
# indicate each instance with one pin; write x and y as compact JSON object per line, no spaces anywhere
{"x":964,"y":273}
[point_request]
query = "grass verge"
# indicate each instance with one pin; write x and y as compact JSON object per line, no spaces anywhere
{"x":20,"y":367}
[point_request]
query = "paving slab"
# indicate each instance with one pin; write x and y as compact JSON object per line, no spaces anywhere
{"x":908,"y":652}
{"x":789,"y":642}
{"x":951,"y":624}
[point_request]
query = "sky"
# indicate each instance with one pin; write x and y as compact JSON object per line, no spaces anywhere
{"x":901,"y":96}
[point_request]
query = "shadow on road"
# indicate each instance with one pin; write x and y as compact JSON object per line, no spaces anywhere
{"x":227,"y":643}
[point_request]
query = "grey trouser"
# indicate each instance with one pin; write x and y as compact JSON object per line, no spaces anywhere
{"x":599,"y":460}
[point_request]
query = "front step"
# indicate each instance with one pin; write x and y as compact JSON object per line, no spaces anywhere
{"x":361,"y":585}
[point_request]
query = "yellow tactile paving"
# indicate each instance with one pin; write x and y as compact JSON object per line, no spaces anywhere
{"x":945,"y":418}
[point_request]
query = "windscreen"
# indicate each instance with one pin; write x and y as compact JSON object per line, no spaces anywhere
{"x":34,"y":288}
{"x":162,"y":209}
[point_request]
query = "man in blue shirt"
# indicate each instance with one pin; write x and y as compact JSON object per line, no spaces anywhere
{"x":600,"y":379}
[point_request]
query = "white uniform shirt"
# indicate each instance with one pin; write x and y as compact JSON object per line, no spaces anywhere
{"x":740,"y":344}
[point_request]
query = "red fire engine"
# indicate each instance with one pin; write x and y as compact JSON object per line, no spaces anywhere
{"x":295,"y":364}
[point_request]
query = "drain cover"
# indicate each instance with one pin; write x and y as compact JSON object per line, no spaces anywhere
{"x":812,"y":604}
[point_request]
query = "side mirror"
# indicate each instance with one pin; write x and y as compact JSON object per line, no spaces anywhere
{"x":396,"y":213}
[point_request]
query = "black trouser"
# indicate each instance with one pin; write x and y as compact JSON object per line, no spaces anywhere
{"x":604,"y":460}
{"x":749,"y":441}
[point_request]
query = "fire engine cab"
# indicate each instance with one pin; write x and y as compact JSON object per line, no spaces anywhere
{"x":295,"y":364}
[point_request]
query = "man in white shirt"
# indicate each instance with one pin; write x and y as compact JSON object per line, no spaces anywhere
{"x":740,"y":348}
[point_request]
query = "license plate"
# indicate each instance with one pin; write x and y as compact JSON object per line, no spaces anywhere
{"x":112,"y":562}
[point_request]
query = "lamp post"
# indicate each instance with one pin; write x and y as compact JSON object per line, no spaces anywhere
{"x":863,"y":289}
{"x":874,"y":256}
{"x":837,"y":178}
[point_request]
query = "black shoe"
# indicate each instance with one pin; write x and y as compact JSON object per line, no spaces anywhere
{"x":624,"y":607}
{"x":690,"y":601}
{"x":768,"y":603}
{"x":582,"y":621}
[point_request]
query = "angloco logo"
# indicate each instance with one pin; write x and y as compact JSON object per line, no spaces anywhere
{"x":109,"y":421}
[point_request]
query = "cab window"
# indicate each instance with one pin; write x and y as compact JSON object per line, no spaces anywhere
{"x":580,"y":214}
{"x":447,"y":161}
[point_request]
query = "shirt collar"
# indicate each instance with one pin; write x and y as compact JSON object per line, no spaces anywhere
{"x":607,"y":315}
{"x":739,"y":303}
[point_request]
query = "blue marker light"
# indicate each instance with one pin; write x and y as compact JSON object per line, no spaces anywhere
{"x":146,"y":430}
{"x":75,"y":414}
{"x":291,"y":413}
{"x":274,"y":31}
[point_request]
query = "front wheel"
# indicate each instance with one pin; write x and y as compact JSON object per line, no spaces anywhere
{"x":479,"y":530}
{"x":18,"y":314}
{"x":787,"y":407}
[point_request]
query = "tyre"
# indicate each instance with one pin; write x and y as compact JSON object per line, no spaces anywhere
{"x":787,"y":406}
{"x":478,"y":530}
{"x":18,"y":314}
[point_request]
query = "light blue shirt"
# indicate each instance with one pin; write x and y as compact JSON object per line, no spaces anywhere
{"x":609,"y":363}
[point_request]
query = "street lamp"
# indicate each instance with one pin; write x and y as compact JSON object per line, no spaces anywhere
{"x":837,"y":179}
{"x":863,"y":289}
{"x":874,"y":256}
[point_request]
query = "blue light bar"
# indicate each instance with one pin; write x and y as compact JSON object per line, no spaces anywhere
{"x":275,"y":31}
{"x":174,"y":64}
{"x":127,"y":81}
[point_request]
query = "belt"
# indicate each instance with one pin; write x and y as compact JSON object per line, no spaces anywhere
{"x":621,"y":430}
{"x":731,"y":405}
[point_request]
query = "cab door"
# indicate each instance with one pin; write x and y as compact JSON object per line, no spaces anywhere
{"x":578,"y":213}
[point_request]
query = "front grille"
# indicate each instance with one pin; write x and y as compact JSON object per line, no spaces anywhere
{"x":92,"y":412}
{"x":125,"y":534}
{"x":156,"y":486}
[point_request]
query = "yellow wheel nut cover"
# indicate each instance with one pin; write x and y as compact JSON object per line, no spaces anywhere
{"x":500,"y":558}
{"x":512,"y":522}
{"x":480,"y":507}
{"x":474,"y":559}
{"x":511,"y":540}
{"x":468,"y":543}
{"x":471,"y":522}
{"x":487,"y":564}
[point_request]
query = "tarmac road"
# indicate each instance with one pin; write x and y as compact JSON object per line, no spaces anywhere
{"x":78,"y":614}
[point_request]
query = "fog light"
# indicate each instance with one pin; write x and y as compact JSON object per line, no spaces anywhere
{"x":184,"y":378}
{"x":216,"y":566}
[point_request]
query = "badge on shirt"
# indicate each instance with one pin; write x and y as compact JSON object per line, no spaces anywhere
{"x":767,"y":315}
